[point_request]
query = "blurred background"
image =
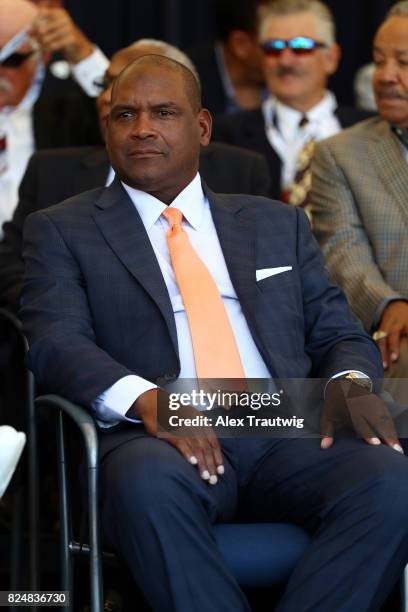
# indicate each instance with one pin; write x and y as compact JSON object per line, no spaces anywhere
{"x":113,"y":24}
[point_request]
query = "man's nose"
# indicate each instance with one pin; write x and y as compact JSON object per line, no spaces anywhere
{"x":387,"y":72}
{"x":287,"y":57}
{"x":142,"y":126}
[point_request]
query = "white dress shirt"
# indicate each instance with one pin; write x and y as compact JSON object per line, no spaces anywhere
{"x":16,"y":123}
{"x":288,"y":138}
{"x":198,"y":223}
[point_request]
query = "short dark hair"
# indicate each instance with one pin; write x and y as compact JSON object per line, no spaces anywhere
{"x":192,"y":86}
{"x":235,"y":15}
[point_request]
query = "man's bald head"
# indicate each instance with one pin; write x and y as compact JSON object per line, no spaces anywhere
{"x":192,"y":87}
{"x":14,"y":16}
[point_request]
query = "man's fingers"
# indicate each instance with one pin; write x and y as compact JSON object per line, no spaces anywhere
{"x":209,"y":459}
{"x":373,"y":441}
{"x":191,"y":451}
{"x":185,"y":449}
{"x":219,"y":459}
{"x":326,"y":429}
{"x":394,"y":341}
{"x":383,"y":346}
{"x":394,"y":443}
{"x":327,"y":442}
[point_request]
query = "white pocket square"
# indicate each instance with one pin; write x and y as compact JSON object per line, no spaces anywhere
{"x":266,"y":272}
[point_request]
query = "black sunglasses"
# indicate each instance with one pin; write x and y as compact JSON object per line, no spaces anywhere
{"x":300,"y":45}
{"x":15,"y":59}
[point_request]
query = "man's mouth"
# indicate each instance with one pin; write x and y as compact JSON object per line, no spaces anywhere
{"x":145,"y":153}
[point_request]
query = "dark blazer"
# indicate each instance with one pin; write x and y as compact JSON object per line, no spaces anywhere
{"x":95,"y":306}
{"x":213,"y":92}
{"x":55,"y":175}
{"x":247,"y":129}
{"x":64,"y":116}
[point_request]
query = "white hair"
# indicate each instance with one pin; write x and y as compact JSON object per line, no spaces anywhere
{"x":324,"y":17}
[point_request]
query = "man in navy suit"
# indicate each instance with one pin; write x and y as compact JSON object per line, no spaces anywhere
{"x":107,"y":326}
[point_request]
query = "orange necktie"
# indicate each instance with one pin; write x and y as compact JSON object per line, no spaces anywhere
{"x":215,"y":349}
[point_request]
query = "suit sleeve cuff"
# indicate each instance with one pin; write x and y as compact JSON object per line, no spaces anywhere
{"x":113,"y":403}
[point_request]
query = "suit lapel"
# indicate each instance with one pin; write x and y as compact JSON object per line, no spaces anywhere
{"x":236,"y":233}
{"x":389,"y":160}
{"x":123,"y":229}
{"x":93,"y":170}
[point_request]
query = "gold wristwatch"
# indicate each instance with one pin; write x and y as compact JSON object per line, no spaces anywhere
{"x":364,"y":383}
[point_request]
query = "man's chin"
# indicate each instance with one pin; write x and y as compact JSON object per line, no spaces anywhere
{"x":392,"y":113}
{"x":144,"y":181}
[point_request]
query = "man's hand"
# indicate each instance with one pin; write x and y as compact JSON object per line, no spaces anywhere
{"x":348,"y":408}
{"x":55,"y":31}
{"x":198,"y":445}
{"x":394,"y":323}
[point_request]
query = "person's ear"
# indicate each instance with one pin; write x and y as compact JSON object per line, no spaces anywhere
{"x":332,"y":57}
{"x":205,"y":123}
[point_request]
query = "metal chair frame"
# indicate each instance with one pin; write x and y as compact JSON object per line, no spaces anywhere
{"x":69,"y":547}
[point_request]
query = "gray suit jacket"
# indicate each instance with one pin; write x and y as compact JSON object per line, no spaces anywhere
{"x":360,"y":214}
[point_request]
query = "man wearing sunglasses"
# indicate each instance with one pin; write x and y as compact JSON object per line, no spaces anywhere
{"x":34,"y":112}
{"x":360,"y":206}
{"x":297,"y":38}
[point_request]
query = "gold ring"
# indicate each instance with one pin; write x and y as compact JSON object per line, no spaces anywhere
{"x":379,"y":335}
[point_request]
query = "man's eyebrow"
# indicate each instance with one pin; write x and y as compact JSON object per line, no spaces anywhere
{"x":166,"y":104}
{"x":397,"y":51}
{"x":119,"y":107}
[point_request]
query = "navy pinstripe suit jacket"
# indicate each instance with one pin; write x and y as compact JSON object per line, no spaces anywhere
{"x":95,"y":306}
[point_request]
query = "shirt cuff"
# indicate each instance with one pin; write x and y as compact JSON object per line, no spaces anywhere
{"x":89,"y":70}
{"x":111,"y":406}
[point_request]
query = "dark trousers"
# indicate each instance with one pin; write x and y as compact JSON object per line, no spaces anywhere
{"x":157,"y":512}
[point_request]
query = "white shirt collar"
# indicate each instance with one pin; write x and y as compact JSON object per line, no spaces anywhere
{"x":287,"y":119}
{"x":191,"y":201}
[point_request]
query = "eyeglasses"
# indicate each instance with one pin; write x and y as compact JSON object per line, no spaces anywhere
{"x":16,"y":59}
{"x":300,"y":45}
{"x":104,"y":82}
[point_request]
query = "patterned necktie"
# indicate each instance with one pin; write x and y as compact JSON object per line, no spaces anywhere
{"x":215,"y":349}
{"x":297,"y":192}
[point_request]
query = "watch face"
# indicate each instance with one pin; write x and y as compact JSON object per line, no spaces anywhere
{"x":365,"y":383}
